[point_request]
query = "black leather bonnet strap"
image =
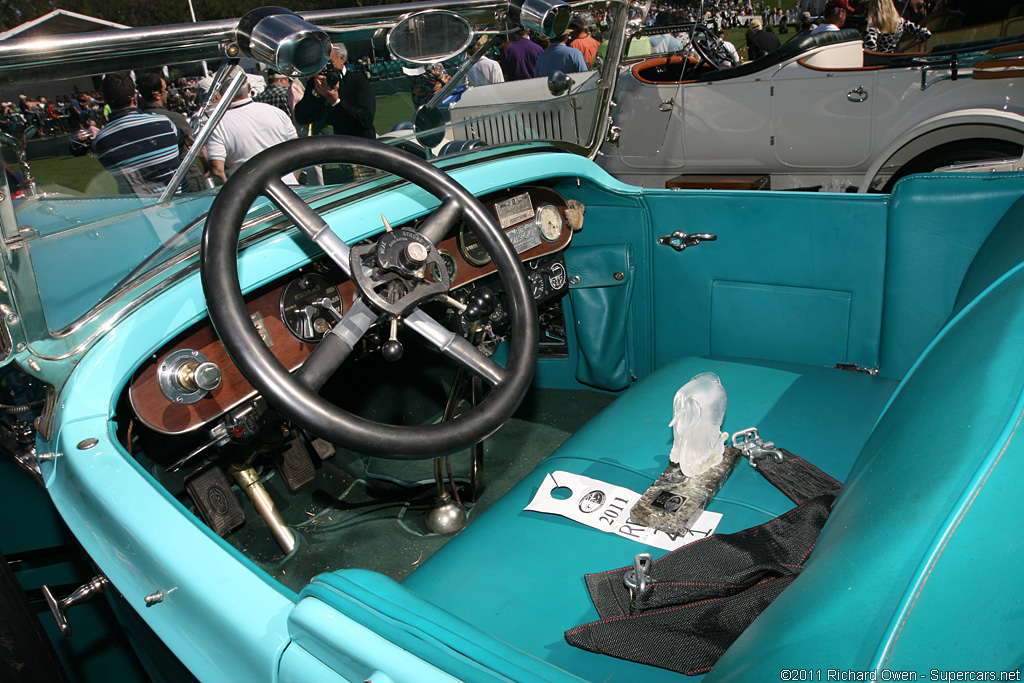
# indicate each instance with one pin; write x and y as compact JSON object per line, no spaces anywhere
{"x":682,"y":611}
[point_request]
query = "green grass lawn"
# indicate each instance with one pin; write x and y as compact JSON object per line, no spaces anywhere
{"x":73,"y":175}
{"x":391,"y":110}
{"x":738,"y":36}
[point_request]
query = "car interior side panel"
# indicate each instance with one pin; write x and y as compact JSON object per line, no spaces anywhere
{"x":888,"y":468}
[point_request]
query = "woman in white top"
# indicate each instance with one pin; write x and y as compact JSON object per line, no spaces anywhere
{"x":886,"y":28}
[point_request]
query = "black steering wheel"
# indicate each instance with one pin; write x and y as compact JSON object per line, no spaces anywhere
{"x":709,"y":46}
{"x":394,"y":263}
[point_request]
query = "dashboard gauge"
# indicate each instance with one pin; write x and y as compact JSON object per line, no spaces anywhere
{"x":537,"y":285}
{"x":304,"y":310}
{"x":556,"y":276}
{"x":471,"y":248}
{"x":449,"y":264}
{"x":550,"y":222}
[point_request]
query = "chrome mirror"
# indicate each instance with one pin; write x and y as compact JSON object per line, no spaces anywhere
{"x":19,"y":144}
{"x":430,"y":36}
{"x":427,"y":123}
{"x":283,"y":40}
{"x":550,"y":17}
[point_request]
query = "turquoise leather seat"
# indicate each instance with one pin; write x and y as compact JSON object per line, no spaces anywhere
{"x":916,"y":569}
{"x":528,"y":567}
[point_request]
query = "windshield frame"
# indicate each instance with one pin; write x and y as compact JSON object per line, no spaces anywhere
{"x":21,"y":304}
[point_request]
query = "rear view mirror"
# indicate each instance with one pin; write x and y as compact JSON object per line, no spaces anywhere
{"x":430,"y":36}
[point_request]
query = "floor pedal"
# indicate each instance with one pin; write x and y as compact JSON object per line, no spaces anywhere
{"x":295,"y":465}
{"x":211,"y":491}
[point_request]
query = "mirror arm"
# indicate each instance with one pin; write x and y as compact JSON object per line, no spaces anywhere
{"x":204,"y":133}
{"x":457,"y":77}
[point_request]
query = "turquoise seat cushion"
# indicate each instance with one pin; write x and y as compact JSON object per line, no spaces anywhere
{"x":933,"y":238}
{"x":519,"y":575}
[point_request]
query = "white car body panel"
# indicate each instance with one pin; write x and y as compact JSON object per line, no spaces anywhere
{"x":819,"y":118}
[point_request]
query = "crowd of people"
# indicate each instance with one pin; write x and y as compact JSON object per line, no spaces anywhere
{"x":888,"y":22}
{"x":140,"y":129}
{"x":143,"y":129}
{"x":65,"y":113}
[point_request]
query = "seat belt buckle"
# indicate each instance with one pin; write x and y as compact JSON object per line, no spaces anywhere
{"x":753,"y":447}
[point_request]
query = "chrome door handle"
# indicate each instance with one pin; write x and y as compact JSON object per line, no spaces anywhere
{"x":858,"y":94}
{"x":679,"y":240}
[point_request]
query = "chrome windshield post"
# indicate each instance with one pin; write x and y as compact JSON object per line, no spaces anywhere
{"x":204,"y":134}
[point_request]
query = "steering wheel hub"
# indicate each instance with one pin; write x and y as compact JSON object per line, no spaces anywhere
{"x":393,"y":274}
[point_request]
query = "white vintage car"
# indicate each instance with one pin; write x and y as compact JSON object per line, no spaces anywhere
{"x":819,"y":113}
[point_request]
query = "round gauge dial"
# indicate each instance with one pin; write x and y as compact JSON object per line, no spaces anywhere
{"x":549,"y":220}
{"x":449,"y":264}
{"x":537,"y":287}
{"x":471,"y":248}
{"x":303,"y":309}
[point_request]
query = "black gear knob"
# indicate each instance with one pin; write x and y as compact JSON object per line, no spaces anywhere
{"x":392,"y":350}
{"x":480,"y":303}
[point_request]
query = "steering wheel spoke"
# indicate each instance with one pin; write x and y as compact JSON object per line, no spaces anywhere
{"x":440,"y":223}
{"x":312,"y":225}
{"x":456,"y":347}
{"x":336,"y":346}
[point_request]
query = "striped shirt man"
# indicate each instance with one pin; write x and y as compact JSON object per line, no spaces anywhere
{"x":140,"y":150}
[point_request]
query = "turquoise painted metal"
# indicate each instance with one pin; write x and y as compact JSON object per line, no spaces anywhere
{"x":921,"y":292}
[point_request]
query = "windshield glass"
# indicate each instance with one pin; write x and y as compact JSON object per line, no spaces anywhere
{"x":77,"y":190}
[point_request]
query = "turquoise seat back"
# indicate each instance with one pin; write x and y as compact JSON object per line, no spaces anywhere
{"x":923,"y":542}
{"x":932,"y":239}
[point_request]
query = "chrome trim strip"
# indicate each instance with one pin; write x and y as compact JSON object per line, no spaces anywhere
{"x":27,"y":60}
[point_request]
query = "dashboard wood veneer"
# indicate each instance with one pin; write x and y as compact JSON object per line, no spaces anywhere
{"x":158,"y":412}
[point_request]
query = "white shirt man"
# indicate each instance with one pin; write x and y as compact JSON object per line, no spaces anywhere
{"x":247,"y":129}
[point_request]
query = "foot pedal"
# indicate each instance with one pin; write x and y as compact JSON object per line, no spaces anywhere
{"x":323,"y":448}
{"x":211,"y":491}
{"x":295,"y":465}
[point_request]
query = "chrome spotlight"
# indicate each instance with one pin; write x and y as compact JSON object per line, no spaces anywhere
{"x":549,"y":17}
{"x":283,"y":40}
{"x":559,"y":83}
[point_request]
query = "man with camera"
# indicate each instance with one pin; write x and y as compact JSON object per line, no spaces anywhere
{"x":338,"y":97}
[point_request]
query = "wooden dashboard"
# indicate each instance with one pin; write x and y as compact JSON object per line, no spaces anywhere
{"x":150,"y":401}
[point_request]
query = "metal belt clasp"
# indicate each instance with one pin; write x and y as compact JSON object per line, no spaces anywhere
{"x":752,"y":446}
{"x":638,"y":579}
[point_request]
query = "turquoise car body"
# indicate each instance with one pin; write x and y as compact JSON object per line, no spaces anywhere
{"x":916,"y":573}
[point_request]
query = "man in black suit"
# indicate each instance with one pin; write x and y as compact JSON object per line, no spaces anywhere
{"x":759,"y":41}
{"x":347,"y":105}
